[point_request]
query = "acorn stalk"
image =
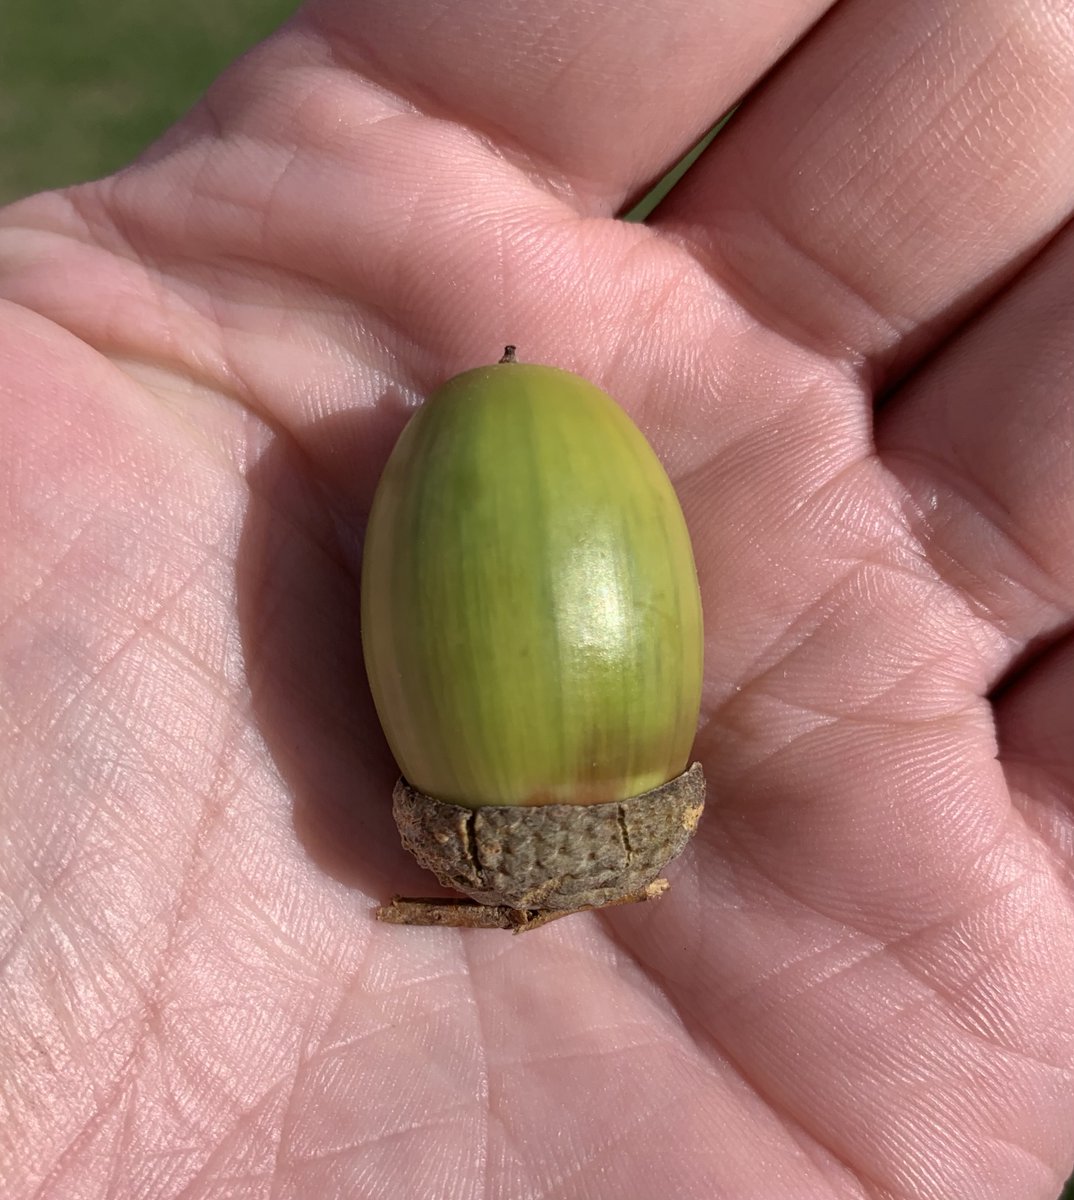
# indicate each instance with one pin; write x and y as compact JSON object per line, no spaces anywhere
{"x":532,"y":632}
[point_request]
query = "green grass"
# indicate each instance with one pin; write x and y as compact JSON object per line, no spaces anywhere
{"x":86,"y":84}
{"x":648,"y":203}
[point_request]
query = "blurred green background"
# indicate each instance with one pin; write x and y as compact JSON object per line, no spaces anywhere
{"x":85,"y":85}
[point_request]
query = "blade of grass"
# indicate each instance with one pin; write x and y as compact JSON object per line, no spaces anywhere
{"x":648,"y":203}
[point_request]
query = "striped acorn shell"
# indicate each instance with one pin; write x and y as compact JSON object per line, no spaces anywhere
{"x":531,"y":621}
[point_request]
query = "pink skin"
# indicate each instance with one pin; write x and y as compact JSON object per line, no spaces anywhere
{"x":860,"y":982}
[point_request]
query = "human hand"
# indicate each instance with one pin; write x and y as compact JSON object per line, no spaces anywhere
{"x":859,"y":984}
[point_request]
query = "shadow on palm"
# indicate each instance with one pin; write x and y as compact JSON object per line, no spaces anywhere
{"x":298,"y":569}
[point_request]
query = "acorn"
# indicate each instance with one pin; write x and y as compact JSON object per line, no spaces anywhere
{"x":532,"y":633}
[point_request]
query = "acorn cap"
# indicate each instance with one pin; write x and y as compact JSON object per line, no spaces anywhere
{"x":551,"y":856}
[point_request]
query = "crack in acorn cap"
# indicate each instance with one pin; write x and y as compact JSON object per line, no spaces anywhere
{"x":553,"y":856}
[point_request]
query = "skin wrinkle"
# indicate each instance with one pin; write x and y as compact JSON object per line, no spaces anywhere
{"x":88,"y":1131}
{"x":359,"y":60}
{"x":487,"y":1094}
{"x":794,"y":638}
{"x":826,"y":610}
{"x":336,"y":1049}
{"x":98,"y":673}
{"x":646,"y":1041}
{"x":208,"y":1173}
{"x":949,"y":810}
{"x":224,"y":381}
{"x":74,"y":938}
{"x":928,"y":1000}
{"x":583,"y":1054}
{"x":936,"y":123}
{"x":1024,"y":1151}
{"x":360,"y":982}
{"x":1056,"y":1178}
{"x":325,"y":543}
{"x":382,"y":1138}
{"x":114,"y":216}
{"x":943,"y":472}
{"x":660,"y":300}
{"x":708,"y":1042}
{"x":902,"y":945}
{"x":1057,"y":844}
{"x":287,"y":1117}
{"x":287,"y":1082}
{"x":44,"y":578}
{"x":238,"y":387}
{"x":766,"y":312}
{"x":65,"y":874}
{"x":584,"y":52}
{"x":92,"y":235}
{"x":827,"y":719}
{"x":742,"y":852}
{"x":492,"y":1108}
{"x":726,"y":452}
{"x":200,"y":192}
{"x":209,"y":822}
{"x":624,"y":1130}
{"x":539,"y":168}
{"x":288,"y":168}
{"x":844,"y":473}
{"x":270,"y":934}
{"x":126,"y":1140}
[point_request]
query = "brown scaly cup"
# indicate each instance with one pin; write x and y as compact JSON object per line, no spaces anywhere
{"x":548,"y":860}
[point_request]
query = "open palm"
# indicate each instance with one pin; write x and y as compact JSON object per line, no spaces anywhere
{"x":859,"y":984}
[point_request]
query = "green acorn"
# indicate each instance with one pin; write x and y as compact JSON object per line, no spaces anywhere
{"x":531,"y":625}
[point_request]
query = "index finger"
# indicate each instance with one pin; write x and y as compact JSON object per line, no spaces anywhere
{"x":599,"y":97}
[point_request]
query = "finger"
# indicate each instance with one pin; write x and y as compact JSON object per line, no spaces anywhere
{"x":1036,"y":726}
{"x":898,"y":168}
{"x":982,"y":441}
{"x":602,"y":96}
